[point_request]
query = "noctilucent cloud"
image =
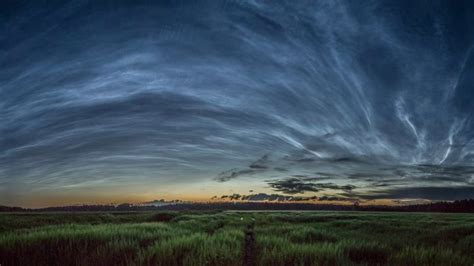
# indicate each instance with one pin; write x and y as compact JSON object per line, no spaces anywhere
{"x":107,"y":101}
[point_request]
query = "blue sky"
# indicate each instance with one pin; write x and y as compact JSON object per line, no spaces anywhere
{"x":113,"y":101}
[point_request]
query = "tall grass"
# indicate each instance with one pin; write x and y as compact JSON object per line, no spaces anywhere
{"x":223,"y":248}
{"x":173,"y":238}
{"x":365,"y":239}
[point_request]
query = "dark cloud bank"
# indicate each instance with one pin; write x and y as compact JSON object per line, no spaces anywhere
{"x":282,"y":198}
{"x":371,"y":98}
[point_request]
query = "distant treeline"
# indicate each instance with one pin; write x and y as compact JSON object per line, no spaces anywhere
{"x":465,"y":206}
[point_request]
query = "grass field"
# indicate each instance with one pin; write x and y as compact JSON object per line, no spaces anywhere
{"x":229,"y":238}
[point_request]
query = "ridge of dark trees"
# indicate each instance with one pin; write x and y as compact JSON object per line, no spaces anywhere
{"x":459,"y":206}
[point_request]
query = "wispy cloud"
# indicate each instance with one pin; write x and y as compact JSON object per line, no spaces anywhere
{"x":179,"y":94}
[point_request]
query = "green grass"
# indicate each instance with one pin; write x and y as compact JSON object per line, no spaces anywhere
{"x":191,"y":238}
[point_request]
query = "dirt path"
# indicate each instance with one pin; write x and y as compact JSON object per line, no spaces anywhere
{"x":249,"y":246}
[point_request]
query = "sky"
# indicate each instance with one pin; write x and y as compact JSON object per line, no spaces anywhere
{"x":326,"y":101}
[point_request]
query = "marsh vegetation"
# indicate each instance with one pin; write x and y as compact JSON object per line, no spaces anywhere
{"x":231,"y":238}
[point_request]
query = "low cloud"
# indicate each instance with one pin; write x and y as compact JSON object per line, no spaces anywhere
{"x":298,"y":186}
{"x":283,"y":198}
{"x":429,"y":193}
{"x":232,"y":197}
{"x":267,"y":197}
{"x":293,"y":186}
{"x":259,"y":165}
{"x":233,"y":173}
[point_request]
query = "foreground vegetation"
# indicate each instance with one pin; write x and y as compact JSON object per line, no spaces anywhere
{"x":229,"y":238}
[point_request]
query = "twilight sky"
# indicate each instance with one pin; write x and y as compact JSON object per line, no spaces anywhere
{"x":102,"y":101}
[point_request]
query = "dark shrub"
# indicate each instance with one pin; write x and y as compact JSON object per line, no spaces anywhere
{"x":163,"y":217}
{"x":369,"y":254}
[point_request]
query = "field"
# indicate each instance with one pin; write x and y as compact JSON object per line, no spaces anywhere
{"x":231,"y":238}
